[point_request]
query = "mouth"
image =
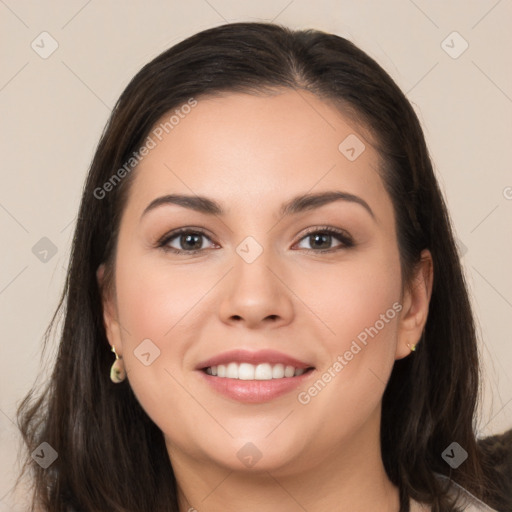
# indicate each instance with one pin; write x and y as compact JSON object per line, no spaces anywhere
{"x":254,"y":377}
{"x":248,"y":371}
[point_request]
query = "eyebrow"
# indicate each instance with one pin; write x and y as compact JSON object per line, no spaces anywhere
{"x":294,"y":206}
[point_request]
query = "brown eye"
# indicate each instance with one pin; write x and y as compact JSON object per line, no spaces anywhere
{"x":187,"y":241}
{"x":321,"y":240}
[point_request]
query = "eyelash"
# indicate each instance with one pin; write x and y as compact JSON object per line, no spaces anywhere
{"x":342,"y":236}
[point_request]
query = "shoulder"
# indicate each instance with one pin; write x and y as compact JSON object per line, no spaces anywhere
{"x":419,"y":507}
{"x":465,"y":500}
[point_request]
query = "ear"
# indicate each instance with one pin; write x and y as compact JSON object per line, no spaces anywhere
{"x":416,"y":299}
{"x":110,"y":316}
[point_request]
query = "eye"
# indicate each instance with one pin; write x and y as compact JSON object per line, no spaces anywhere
{"x":189,"y":241}
{"x":319,"y":238}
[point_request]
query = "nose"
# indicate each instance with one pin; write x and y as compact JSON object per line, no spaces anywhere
{"x":257,"y":294}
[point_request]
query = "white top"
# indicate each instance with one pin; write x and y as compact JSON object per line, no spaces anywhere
{"x":466,"y":501}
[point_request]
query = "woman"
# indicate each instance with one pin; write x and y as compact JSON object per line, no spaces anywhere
{"x":252,"y":370}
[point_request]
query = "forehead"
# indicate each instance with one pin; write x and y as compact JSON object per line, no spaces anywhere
{"x":240,"y":148}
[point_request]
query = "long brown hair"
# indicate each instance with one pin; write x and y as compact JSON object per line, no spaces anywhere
{"x":111,"y":456}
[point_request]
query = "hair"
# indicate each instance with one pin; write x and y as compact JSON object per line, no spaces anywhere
{"x":111,"y":455}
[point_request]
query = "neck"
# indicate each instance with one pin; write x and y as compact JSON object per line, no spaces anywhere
{"x":351,"y":477}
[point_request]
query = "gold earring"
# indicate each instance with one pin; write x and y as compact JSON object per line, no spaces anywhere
{"x":413,"y":348}
{"x":117,"y":371}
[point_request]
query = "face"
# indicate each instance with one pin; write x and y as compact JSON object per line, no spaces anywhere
{"x":315,"y":286}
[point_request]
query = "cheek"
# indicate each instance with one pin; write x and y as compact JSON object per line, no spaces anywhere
{"x":155,"y":307}
{"x":356,"y":298}
{"x":359,"y":305}
{"x":153,"y":297}
{"x":365,"y":310}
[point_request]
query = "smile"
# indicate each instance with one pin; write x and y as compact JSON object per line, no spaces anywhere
{"x":247,"y":371}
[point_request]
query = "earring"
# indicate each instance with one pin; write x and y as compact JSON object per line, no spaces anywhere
{"x":413,"y":348}
{"x":117,"y":371}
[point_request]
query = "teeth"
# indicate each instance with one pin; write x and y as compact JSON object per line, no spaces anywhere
{"x":247,"y":371}
{"x":278,"y":371}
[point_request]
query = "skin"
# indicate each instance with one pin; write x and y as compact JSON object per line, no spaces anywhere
{"x":252,"y":153}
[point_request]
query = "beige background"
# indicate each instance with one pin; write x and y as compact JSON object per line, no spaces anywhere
{"x":53,"y":111}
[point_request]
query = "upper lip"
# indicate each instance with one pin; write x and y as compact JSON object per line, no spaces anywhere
{"x":246,"y":356}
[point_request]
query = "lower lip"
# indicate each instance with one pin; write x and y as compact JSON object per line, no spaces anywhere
{"x":255,"y":391}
